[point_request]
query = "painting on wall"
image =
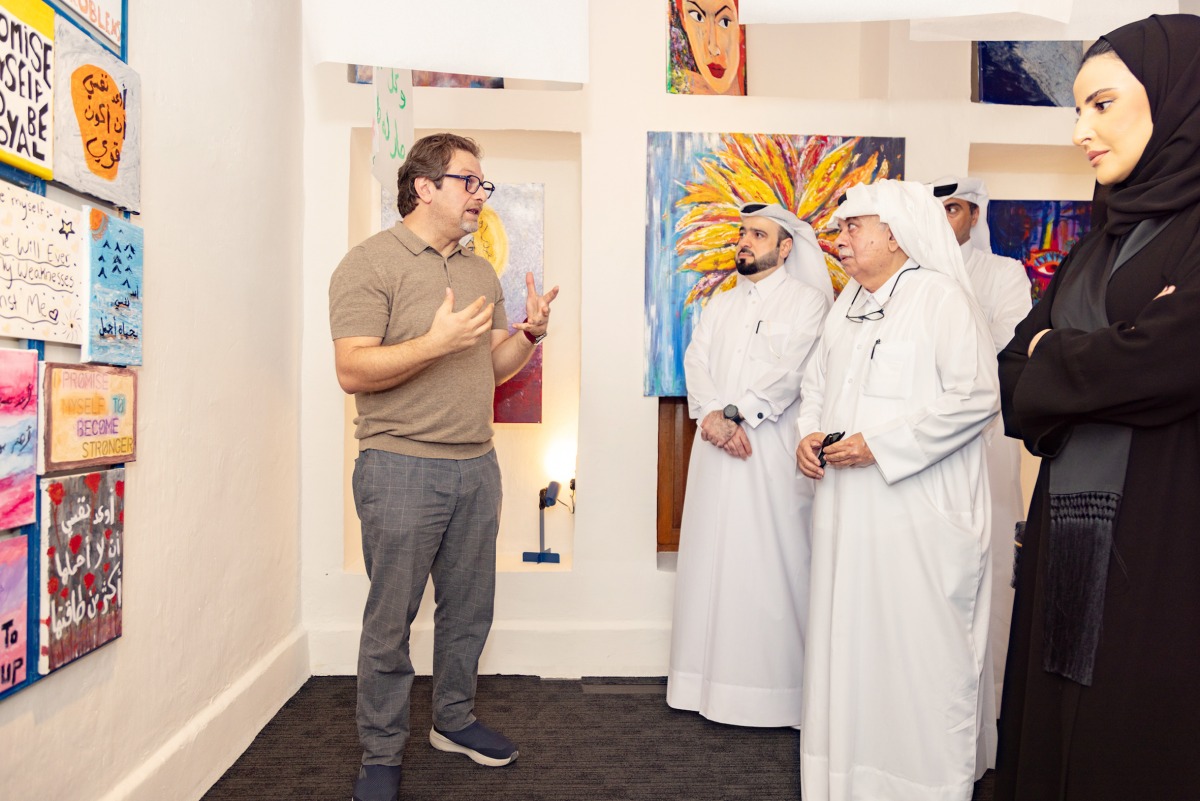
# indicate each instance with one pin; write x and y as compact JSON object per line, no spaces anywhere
{"x":18,"y":436}
{"x":87,"y":417}
{"x":14,"y":609}
{"x":113,"y":320}
{"x":83,"y":532}
{"x":454,"y":80}
{"x":103,"y":17}
{"x":1026,"y":73}
{"x":27,"y":53}
{"x":97,"y":114}
{"x":696,"y":182}
{"x":1038,"y":233}
{"x":41,"y":268}
{"x":706,"y":50}
{"x":511,"y":237}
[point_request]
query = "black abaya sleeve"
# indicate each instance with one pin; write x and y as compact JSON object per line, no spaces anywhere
{"x":1139,"y":372}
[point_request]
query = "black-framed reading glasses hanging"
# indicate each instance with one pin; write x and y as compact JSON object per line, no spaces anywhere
{"x":474,"y":184}
{"x":875,"y":314}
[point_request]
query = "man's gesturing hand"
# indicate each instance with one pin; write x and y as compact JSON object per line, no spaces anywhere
{"x":453,"y":331}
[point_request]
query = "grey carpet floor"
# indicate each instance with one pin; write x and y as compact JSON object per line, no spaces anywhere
{"x":589,"y":740}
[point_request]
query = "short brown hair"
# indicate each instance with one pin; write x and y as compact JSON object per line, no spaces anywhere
{"x":429,"y":158}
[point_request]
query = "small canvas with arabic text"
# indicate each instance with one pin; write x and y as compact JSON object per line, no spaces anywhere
{"x":113,"y":323}
{"x":18,"y":437}
{"x":83,"y":526}
{"x":98,"y":116}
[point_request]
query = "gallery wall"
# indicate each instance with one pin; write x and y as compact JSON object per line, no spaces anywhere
{"x":610,"y":613}
{"x":212,"y":643}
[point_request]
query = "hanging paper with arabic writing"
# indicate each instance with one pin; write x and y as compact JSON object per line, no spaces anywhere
{"x":97,"y":113}
{"x":83,"y":526}
{"x":391,"y":135}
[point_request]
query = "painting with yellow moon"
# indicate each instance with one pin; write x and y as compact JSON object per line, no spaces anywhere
{"x":510,"y":236}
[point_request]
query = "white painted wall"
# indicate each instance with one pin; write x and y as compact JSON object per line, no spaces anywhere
{"x":610,"y":614}
{"x":213,"y":642}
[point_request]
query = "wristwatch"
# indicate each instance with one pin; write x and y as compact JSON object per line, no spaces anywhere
{"x":532,"y":338}
{"x":731,"y":413}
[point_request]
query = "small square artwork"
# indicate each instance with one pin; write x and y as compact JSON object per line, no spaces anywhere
{"x":18,"y":436}
{"x":1026,"y":73}
{"x":113,"y":325}
{"x":510,"y":237}
{"x":98,"y":116}
{"x":42,"y":271}
{"x":1038,"y":233}
{"x":87,"y":417}
{"x":83,"y":527}
{"x":14,"y":609}
{"x":706,"y":48}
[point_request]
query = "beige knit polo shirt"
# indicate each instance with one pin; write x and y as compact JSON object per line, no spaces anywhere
{"x":390,"y":286}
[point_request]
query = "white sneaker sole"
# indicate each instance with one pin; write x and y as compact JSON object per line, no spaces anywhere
{"x":443,"y":743}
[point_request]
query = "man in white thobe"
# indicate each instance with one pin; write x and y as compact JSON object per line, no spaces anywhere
{"x":741,"y":599}
{"x":897,"y":640}
{"x":1002,"y":289}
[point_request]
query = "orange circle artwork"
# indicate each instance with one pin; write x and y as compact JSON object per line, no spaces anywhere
{"x":100,"y":110}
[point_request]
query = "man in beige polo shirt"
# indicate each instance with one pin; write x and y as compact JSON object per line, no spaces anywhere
{"x":421,"y":340}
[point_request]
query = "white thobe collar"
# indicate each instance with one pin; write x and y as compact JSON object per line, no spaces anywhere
{"x":868,"y":301}
{"x":764,"y":287}
{"x":968,"y":248}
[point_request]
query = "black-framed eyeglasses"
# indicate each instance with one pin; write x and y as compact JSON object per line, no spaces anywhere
{"x":474,"y":184}
{"x":875,"y":314}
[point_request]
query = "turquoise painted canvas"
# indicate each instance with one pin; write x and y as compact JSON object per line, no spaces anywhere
{"x":113,"y":332}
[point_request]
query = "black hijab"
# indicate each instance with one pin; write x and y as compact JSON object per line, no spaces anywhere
{"x":1163,"y":53}
{"x":1087,"y":475}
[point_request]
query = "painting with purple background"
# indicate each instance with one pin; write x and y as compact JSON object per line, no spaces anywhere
{"x":14,"y":605}
{"x":1038,"y":233}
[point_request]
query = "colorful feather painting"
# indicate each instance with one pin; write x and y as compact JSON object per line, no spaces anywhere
{"x":696,"y":182}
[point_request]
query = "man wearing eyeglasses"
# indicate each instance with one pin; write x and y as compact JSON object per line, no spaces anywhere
{"x":895,"y":704}
{"x":741,"y":586}
{"x":421,"y":340}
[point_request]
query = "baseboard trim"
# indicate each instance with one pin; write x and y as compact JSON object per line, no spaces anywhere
{"x":546,"y":649}
{"x":199,"y":753}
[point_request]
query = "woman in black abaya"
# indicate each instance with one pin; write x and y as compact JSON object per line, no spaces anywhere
{"x":1102,"y":690}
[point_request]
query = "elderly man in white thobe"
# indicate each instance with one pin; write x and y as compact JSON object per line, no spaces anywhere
{"x":741,"y":599}
{"x":905,"y":372}
{"x":1002,"y":289}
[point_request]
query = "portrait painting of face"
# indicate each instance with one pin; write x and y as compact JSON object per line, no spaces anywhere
{"x":1038,"y":233}
{"x":707,"y":48}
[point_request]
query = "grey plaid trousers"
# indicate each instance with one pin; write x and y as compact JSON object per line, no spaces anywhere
{"x":420,"y":518}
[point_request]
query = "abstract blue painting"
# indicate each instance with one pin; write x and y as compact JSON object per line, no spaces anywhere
{"x":1028,"y":73}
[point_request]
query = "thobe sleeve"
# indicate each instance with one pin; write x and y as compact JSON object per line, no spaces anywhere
{"x":697,"y":372}
{"x":1136,"y":373}
{"x":966,"y":370}
{"x":774,"y":390}
{"x":812,"y":391}
{"x":1013,"y":300}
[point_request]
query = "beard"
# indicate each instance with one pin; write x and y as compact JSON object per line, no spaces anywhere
{"x":469,"y":226}
{"x":747,"y":264}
